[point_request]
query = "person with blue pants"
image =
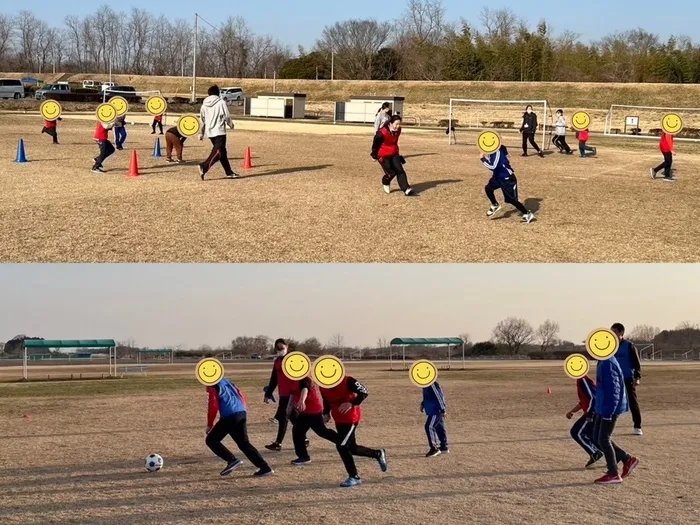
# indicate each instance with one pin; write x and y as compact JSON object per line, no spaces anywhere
{"x":435,"y":409}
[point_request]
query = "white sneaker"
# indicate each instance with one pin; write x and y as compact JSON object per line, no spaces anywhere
{"x":387,"y":189}
{"x":653,"y":173}
{"x":528,"y":217}
{"x":493,"y":210}
{"x":638,"y":432}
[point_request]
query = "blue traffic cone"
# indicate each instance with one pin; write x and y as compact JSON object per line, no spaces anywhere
{"x":21,"y":156}
{"x":156,"y":149}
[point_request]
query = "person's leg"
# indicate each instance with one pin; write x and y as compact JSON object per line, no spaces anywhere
{"x":668,"y":162}
{"x":109,"y":149}
{"x":510,"y":194}
{"x":153,"y":127}
{"x":388,"y":169}
{"x":169,"y":145}
{"x":54,"y":135}
{"x":490,"y":190}
{"x":581,"y":432}
{"x":281,"y":417}
{"x":179,"y":146}
{"x":565,"y":145}
{"x":321,"y":430}
{"x":525,"y":142}
{"x":602,"y":430}
{"x":300,"y":426}
{"x":216,"y":436}
{"x":441,"y":431}
{"x":531,"y":138}
{"x":212,"y":159}
{"x":345,"y":446}
{"x":430,"y":432}
{"x":160,"y":126}
{"x":103,"y":154}
{"x":582,"y":148}
{"x":239,"y":433}
{"x":634,"y":403}
{"x":223,"y":154}
{"x":401,"y":176}
{"x":45,"y":130}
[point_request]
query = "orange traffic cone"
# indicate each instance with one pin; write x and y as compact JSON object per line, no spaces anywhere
{"x":134,"y":165}
{"x":248,"y":161}
{"x":549,"y":390}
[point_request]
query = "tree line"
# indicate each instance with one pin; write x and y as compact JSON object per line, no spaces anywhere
{"x":421,"y":44}
{"x":510,"y":337}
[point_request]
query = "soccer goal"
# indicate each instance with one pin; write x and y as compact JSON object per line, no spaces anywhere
{"x":130,"y":96}
{"x":503,"y":115}
{"x":644,"y":122}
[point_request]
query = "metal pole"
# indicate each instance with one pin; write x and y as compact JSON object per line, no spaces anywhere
{"x":24,"y":363}
{"x":332,"y":63}
{"x":194,"y":60}
{"x":274,"y":81}
{"x":462,"y":355}
{"x":391,"y":363}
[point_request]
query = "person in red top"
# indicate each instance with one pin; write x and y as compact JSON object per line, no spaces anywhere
{"x":385,"y":150}
{"x":305,"y":411}
{"x":583,"y":147}
{"x":106,"y":147}
{"x":582,"y":431}
{"x":668,"y":150}
{"x":342,"y":402}
{"x":50,"y":128}
{"x":157,"y":121}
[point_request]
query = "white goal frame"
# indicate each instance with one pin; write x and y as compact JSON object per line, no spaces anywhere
{"x":542,"y":117}
{"x":131,"y":94}
{"x":611,"y":115}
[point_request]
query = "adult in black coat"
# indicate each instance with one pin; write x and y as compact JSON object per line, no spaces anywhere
{"x":529,"y":128}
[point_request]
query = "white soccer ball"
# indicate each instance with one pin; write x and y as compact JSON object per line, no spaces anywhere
{"x":154,"y":463}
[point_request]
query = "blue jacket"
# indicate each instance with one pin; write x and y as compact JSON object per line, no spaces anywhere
{"x":611,"y":396}
{"x":433,"y":400}
{"x":499,"y":164}
{"x":230,"y":399}
{"x":628,"y":358}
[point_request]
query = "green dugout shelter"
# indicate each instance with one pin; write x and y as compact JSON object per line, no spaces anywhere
{"x":109,"y":344}
{"x":404,"y":342}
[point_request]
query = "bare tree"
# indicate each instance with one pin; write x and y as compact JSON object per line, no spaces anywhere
{"x":644,"y":333}
{"x":547,"y":335}
{"x":513,"y":333}
{"x":424,"y":21}
{"x":466,"y":338}
{"x":6,"y":33}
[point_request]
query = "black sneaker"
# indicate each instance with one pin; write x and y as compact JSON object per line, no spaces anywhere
{"x":232,"y":465}
{"x":274,"y":446}
{"x":444,"y":450}
{"x":432,"y":453}
{"x":301,"y":462}
{"x":541,"y":154}
{"x":594,"y":459}
{"x":524,"y":155}
{"x":265,"y":471}
{"x":232,"y":175}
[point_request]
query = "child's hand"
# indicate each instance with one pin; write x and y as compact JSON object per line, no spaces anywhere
{"x":569,"y":415}
{"x":482,"y":155}
{"x":300,"y":406}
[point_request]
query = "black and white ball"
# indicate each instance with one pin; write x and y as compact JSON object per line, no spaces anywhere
{"x":154,"y":463}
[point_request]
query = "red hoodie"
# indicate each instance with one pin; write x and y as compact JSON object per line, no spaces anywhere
{"x":101,"y":133}
{"x":48,"y":124}
{"x":666,"y":143}
{"x":583,"y":135}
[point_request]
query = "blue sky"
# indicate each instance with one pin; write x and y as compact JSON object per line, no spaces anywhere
{"x":301,"y":21}
{"x":167,"y":305}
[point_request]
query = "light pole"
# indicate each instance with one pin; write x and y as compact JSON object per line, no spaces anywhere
{"x":332,"y":62}
{"x":194,"y":60}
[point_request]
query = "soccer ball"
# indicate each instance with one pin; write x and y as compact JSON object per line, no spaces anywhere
{"x":154,"y":463}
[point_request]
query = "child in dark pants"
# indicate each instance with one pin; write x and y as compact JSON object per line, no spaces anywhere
{"x":435,"y":409}
{"x":106,"y":147}
{"x":503,"y":178}
{"x":385,"y":150}
{"x":226,"y":399}
{"x":582,"y":431}
{"x":668,"y":151}
{"x":583,"y":147}
{"x":174,"y":140}
{"x":51,"y":129}
{"x":157,"y":121}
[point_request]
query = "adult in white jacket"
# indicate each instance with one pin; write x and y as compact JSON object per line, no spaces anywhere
{"x":215,"y":117}
{"x":560,"y":134}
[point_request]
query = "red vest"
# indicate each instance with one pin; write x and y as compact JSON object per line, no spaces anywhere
{"x":390,"y":146}
{"x":338,"y":395}
{"x":314,"y":401}
{"x":48,"y":124}
{"x":666,"y":143}
{"x":583,"y":135}
{"x":101,"y":133}
{"x":285,"y":386}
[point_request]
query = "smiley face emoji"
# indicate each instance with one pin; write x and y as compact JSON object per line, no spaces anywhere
{"x":328,"y":371}
{"x":602,"y":344}
{"x":209,"y":371}
{"x":423,"y":373}
{"x":50,"y":109}
{"x":106,"y":113}
{"x":576,"y":366}
{"x":672,"y":124}
{"x":156,"y":105}
{"x":489,"y":142}
{"x":188,"y":125}
{"x":581,"y":121}
{"x":120,"y":104}
{"x":296,"y":366}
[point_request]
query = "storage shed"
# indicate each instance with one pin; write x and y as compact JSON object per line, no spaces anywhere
{"x":364,"y":109}
{"x":277,"y":105}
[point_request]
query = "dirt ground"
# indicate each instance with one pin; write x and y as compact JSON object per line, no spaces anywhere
{"x":318,"y":198}
{"x":78,"y":458}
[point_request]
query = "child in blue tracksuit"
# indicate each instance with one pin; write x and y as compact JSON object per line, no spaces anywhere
{"x":435,"y":409}
{"x":610,"y":404}
{"x":503,"y":178}
{"x":226,"y":399}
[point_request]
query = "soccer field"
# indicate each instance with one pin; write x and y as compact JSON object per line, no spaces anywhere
{"x":317,"y":197}
{"x":78,"y":457}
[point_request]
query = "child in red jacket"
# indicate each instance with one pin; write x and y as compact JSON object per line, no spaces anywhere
{"x":157,"y":121}
{"x":583,"y":147}
{"x":668,"y":151}
{"x":51,"y":128}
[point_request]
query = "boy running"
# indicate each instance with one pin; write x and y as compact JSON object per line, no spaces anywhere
{"x":582,"y":431}
{"x":385,"y":150}
{"x":174,"y":140}
{"x":668,"y":150}
{"x":342,"y":402}
{"x":583,"y":147}
{"x":51,"y":129}
{"x":106,"y":147}
{"x":226,"y":399}
{"x":503,"y":178}
{"x":435,"y":409}
{"x":560,"y":134}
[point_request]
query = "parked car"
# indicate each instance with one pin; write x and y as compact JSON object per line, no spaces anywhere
{"x":11,"y":88}
{"x":121,"y":91}
{"x":52,"y":88}
{"x":256,"y":356}
{"x":232,"y":94}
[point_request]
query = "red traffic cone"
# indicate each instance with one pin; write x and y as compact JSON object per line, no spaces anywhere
{"x":134,"y":165}
{"x":549,"y":390}
{"x":248,"y":161}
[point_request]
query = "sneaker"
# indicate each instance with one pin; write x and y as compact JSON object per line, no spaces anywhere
{"x":306,"y":442}
{"x":669,"y":179}
{"x":95,"y":170}
{"x":653,"y":173}
{"x":638,"y":432}
{"x":382,"y":460}
{"x":595,"y":152}
{"x":274,"y":446}
{"x":524,"y":155}
{"x":432,"y":453}
{"x":153,"y":132}
{"x":528,"y":217}
{"x":594,"y":459}
{"x":232,"y":465}
{"x":351,"y":482}
{"x":265,"y":471}
{"x":273,"y":420}
{"x":541,"y":154}
{"x":609,"y":479}
{"x":300,"y":462}
{"x":387,"y":188}
{"x":202,"y":173}
{"x":411,"y":193}
{"x":232,"y":175}
{"x":631,"y":464}
{"x":493,"y":210}
{"x":168,"y":159}
{"x":178,"y":161}
{"x":569,"y":152}
{"x":444,"y":450}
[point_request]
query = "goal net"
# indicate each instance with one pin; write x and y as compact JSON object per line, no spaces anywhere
{"x":502,"y":115}
{"x":644,"y":122}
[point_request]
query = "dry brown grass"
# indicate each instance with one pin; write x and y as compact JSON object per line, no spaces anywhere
{"x":79,"y":459}
{"x":316,"y":198}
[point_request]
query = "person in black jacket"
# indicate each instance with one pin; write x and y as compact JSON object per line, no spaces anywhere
{"x":529,"y":129}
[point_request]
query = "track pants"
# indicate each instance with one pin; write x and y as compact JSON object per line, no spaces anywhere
{"x":158,"y":123}
{"x":583,"y":148}
{"x":347,"y":448}
{"x":602,"y":437}
{"x":218,"y":154}
{"x":52,"y":133}
{"x":172,"y":142}
{"x":436,"y":431}
{"x":106,"y":149}
{"x":634,"y":402}
{"x":529,"y":137}
{"x":560,"y":142}
{"x":582,"y":432}
{"x":509,"y":187}
{"x":393,"y":168}
{"x":666,"y":166}
{"x":301,"y":424}
{"x":120,"y":137}
{"x":236,"y":427}
{"x":281,"y":417}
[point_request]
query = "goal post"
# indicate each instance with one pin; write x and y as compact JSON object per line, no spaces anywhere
{"x":505,"y":115}
{"x":644,"y":122}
